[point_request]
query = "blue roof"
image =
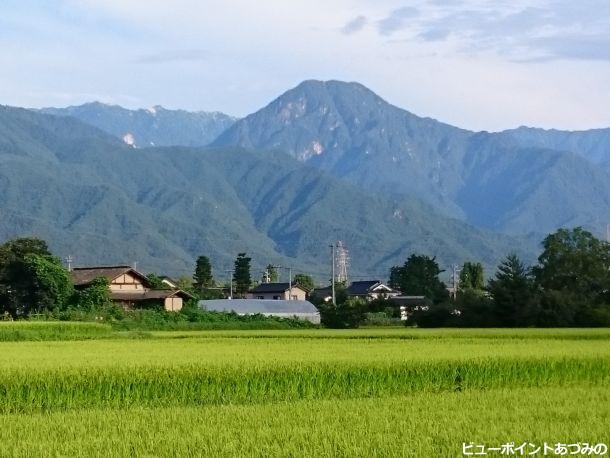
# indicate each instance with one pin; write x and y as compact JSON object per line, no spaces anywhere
{"x":251,"y":306}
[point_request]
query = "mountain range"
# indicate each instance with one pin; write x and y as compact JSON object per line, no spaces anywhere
{"x":155,"y":126}
{"x":325,"y":161}
{"x":517,"y":182}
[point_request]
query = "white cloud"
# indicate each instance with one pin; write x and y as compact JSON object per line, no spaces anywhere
{"x":477,"y":64}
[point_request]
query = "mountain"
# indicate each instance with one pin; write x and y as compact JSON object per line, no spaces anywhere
{"x":493,"y":181}
{"x":593,"y":144}
{"x":155,"y":126}
{"x":101,"y":201}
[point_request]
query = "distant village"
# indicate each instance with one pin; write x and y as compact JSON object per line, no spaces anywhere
{"x":133,"y":289}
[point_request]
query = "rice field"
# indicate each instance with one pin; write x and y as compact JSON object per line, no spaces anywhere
{"x":369,"y":392}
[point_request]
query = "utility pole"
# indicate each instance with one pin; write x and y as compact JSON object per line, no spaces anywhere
{"x":289,"y":283}
{"x":69,"y":262}
{"x":231,"y":271}
{"x":289,"y":280}
{"x":266,"y":276}
{"x":455,"y":279}
{"x":135,"y":265}
{"x":607,"y":233}
{"x":332,"y":247}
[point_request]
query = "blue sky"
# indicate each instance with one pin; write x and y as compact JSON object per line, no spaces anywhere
{"x":477,"y":64}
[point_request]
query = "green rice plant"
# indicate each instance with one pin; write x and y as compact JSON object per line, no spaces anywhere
{"x":51,"y":389}
{"x":420,"y":424}
{"x":52,"y":330}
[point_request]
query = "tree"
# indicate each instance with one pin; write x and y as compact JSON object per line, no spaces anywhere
{"x":156,"y":282}
{"x":472,"y":276}
{"x":203,"y":278}
{"x":95,"y":296}
{"x":241,"y":275}
{"x":419,"y":276}
{"x":347,"y":314}
{"x":304,"y":281}
{"x":574,"y":260}
{"x":31,"y":279}
{"x":512,"y":290}
{"x":574,"y":273}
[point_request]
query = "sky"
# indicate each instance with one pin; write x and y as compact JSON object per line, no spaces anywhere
{"x":477,"y":64}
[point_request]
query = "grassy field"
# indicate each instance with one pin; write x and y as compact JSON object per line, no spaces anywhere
{"x":370,"y":392}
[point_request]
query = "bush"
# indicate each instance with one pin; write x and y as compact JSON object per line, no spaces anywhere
{"x":348,"y":314}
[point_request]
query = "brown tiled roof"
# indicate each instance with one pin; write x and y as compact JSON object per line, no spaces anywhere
{"x":85,"y":275}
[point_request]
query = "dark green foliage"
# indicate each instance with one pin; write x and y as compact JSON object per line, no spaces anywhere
{"x":513,"y":292}
{"x":31,"y":279}
{"x":436,"y":316}
{"x":156,"y":282}
{"x":346,"y":314}
{"x":383,"y":305}
{"x":305,"y":281}
{"x":574,"y":273}
{"x":242,"y":279}
{"x":472,"y":276}
{"x":419,"y":276}
{"x":193,"y":318}
{"x":476,"y":310}
{"x":203,"y":279}
{"x":50,"y":286}
{"x":574,"y":260}
{"x":95,"y":296}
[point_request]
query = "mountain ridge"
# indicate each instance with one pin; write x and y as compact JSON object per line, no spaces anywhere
{"x":154,"y":126}
{"x":348,"y":131}
{"x":101,"y":201}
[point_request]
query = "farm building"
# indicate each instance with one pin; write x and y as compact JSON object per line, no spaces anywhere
{"x":302,"y":310}
{"x":129,"y":287}
{"x":370,"y":289}
{"x":278,"y":291}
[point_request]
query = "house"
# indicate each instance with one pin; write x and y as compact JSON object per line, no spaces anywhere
{"x":278,"y":291}
{"x":370,"y":289}
{"x":281,"y":308}
{"x":129,"y":287}
{"x":322,"y":294}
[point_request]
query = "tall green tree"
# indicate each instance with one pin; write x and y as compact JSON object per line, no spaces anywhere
{"x":513,"y":292}
{"x":574,"y":260}
{"x":31,"y":279}
{"x":419,"y":276}
{"x":472,"y":276}
{"x":574,"y":272}
{"x":203,"y":277}
{"x":242,"y":279}
{"x":304,"y":280}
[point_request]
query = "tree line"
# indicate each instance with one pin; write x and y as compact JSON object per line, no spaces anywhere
{"x":568,"y":286}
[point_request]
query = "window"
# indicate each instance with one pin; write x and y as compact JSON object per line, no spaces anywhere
{"x":277,"y":298}
{"x":260,"y":297}
{"x":294,"y":298}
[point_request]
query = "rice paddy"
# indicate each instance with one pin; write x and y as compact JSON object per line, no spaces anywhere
{"x":370,"y":392}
